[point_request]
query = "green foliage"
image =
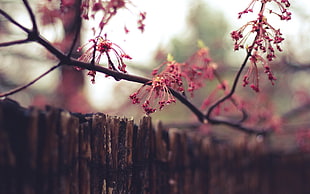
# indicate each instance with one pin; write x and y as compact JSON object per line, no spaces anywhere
{"x":206,"y":25}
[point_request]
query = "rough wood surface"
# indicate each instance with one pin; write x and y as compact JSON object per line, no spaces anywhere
{"x":53,"y":151}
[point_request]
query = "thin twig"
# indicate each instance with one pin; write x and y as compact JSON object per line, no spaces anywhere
{"x":188,"y":104}
{"x":236,"y":125}
{"x":11,"y":92}
{"x":57,"y":53}
{"x":11,"y":43}
{"x":239,"y":127}
{"x":233,"y":101}
{"x":234,"y":86}
{"x":66,"y":60}
{"x":76,"y":36}
{"x":233,"y":89}
{"x":78,"y":24}
{"x":138,"y":79}
{"x":32,"y":17}
{"x":8,"y":17}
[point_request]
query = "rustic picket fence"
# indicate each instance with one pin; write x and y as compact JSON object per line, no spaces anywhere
{"x":53,"y":151}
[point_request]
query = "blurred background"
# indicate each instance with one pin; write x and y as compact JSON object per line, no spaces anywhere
{"x":172,"y":26}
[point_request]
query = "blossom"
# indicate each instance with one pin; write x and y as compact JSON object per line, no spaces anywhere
{"x":156,"y":94}
{"x":282,"y":6}
{"x":198,"y":68}
{"x":99,"y":46}
{"x":108,"y":9}
{"x":264,"y":115}
{"x":267,"y":39}
{"x":214,"y":95}
{"x":252,"y":75}
{"x":174,"y":75}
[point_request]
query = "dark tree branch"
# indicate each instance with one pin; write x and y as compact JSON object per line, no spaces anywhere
{"x":238,"y":126}
{"x":11,"y":92}
{"x":33,"y":35}
{"x":56,"y":52}
{"x":11,"y":43}
{"x":8,"y":17}
{"x":233,"y":101}
{"x":77,"y":26}
{"x":32,"y":17}
{"x":115,"y":74}
{"x":189,"y":105}
{"x":76,"y":36}
{"x":232,"y":91}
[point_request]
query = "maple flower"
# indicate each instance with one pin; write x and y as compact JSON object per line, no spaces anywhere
{"x":108,"y":9}
{"x":171,"y":75}
{"x":156,"y":94}
{"x":252,"y":75}
{"x":267,"y":39}
{"x":99,"y":46}
{"x":198,"y":68}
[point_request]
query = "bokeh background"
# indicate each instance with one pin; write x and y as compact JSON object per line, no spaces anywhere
{"x":172,"y":26}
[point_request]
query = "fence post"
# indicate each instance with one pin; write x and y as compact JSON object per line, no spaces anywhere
{"x":53,"y":151}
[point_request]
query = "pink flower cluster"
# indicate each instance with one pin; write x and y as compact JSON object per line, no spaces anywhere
{"x":283,"y":6}
{"x":102,"y":46}
{"x":109,"y":9}
{"x":171,"y":75}
{"x":267,"y":39}
{"x":199,"y":67}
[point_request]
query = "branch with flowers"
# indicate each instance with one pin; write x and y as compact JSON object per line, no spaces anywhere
{"x":172,"y":80}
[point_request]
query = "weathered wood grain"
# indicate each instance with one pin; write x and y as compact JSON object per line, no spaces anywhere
{"x":53,"y":151}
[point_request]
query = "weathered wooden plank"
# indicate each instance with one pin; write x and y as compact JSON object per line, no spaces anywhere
{"x":84,"y":159}
{"x":98,"y":160}
{"x":53,"y":151}
{"x":130,"y":126}
{"x":141,"y":157}
{"x":68,"y":153}
{"x":8,"y":160}
{"x":122,"y":166}
{"x":29,"y":152}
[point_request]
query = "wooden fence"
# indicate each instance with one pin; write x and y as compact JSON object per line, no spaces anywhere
{"x":53,"y":151}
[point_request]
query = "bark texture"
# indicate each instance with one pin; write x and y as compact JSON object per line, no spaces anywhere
{"x":53,"y":151}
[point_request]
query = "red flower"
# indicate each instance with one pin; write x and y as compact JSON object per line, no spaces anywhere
{"x":158,"y":94}
{"x":170,"y":75}
{"x":108,"y":9}
{"x":267,"y":40}
{"x":252,"y":75}
{"x":101,"y":46}
{"x":198,"y":68}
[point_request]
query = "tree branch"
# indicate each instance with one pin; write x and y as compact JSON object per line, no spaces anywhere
{"x":77,"y":26}
{"x":32,"y":17}
{"x":33,"y":35}
{"x":11,"y":92}
{"x":8,"y":17}
{"x":11,"y":43}
{"x":115,"y":74}
{"x":232,"y":91}
{"x":65,"y":60}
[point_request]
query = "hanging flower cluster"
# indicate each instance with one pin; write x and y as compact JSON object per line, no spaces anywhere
{"x":199,"y":67}
{"x":267,"y":39}
{"x":99,"y":46}
{"x":172,"y":75}
{"x":109,"y":8}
